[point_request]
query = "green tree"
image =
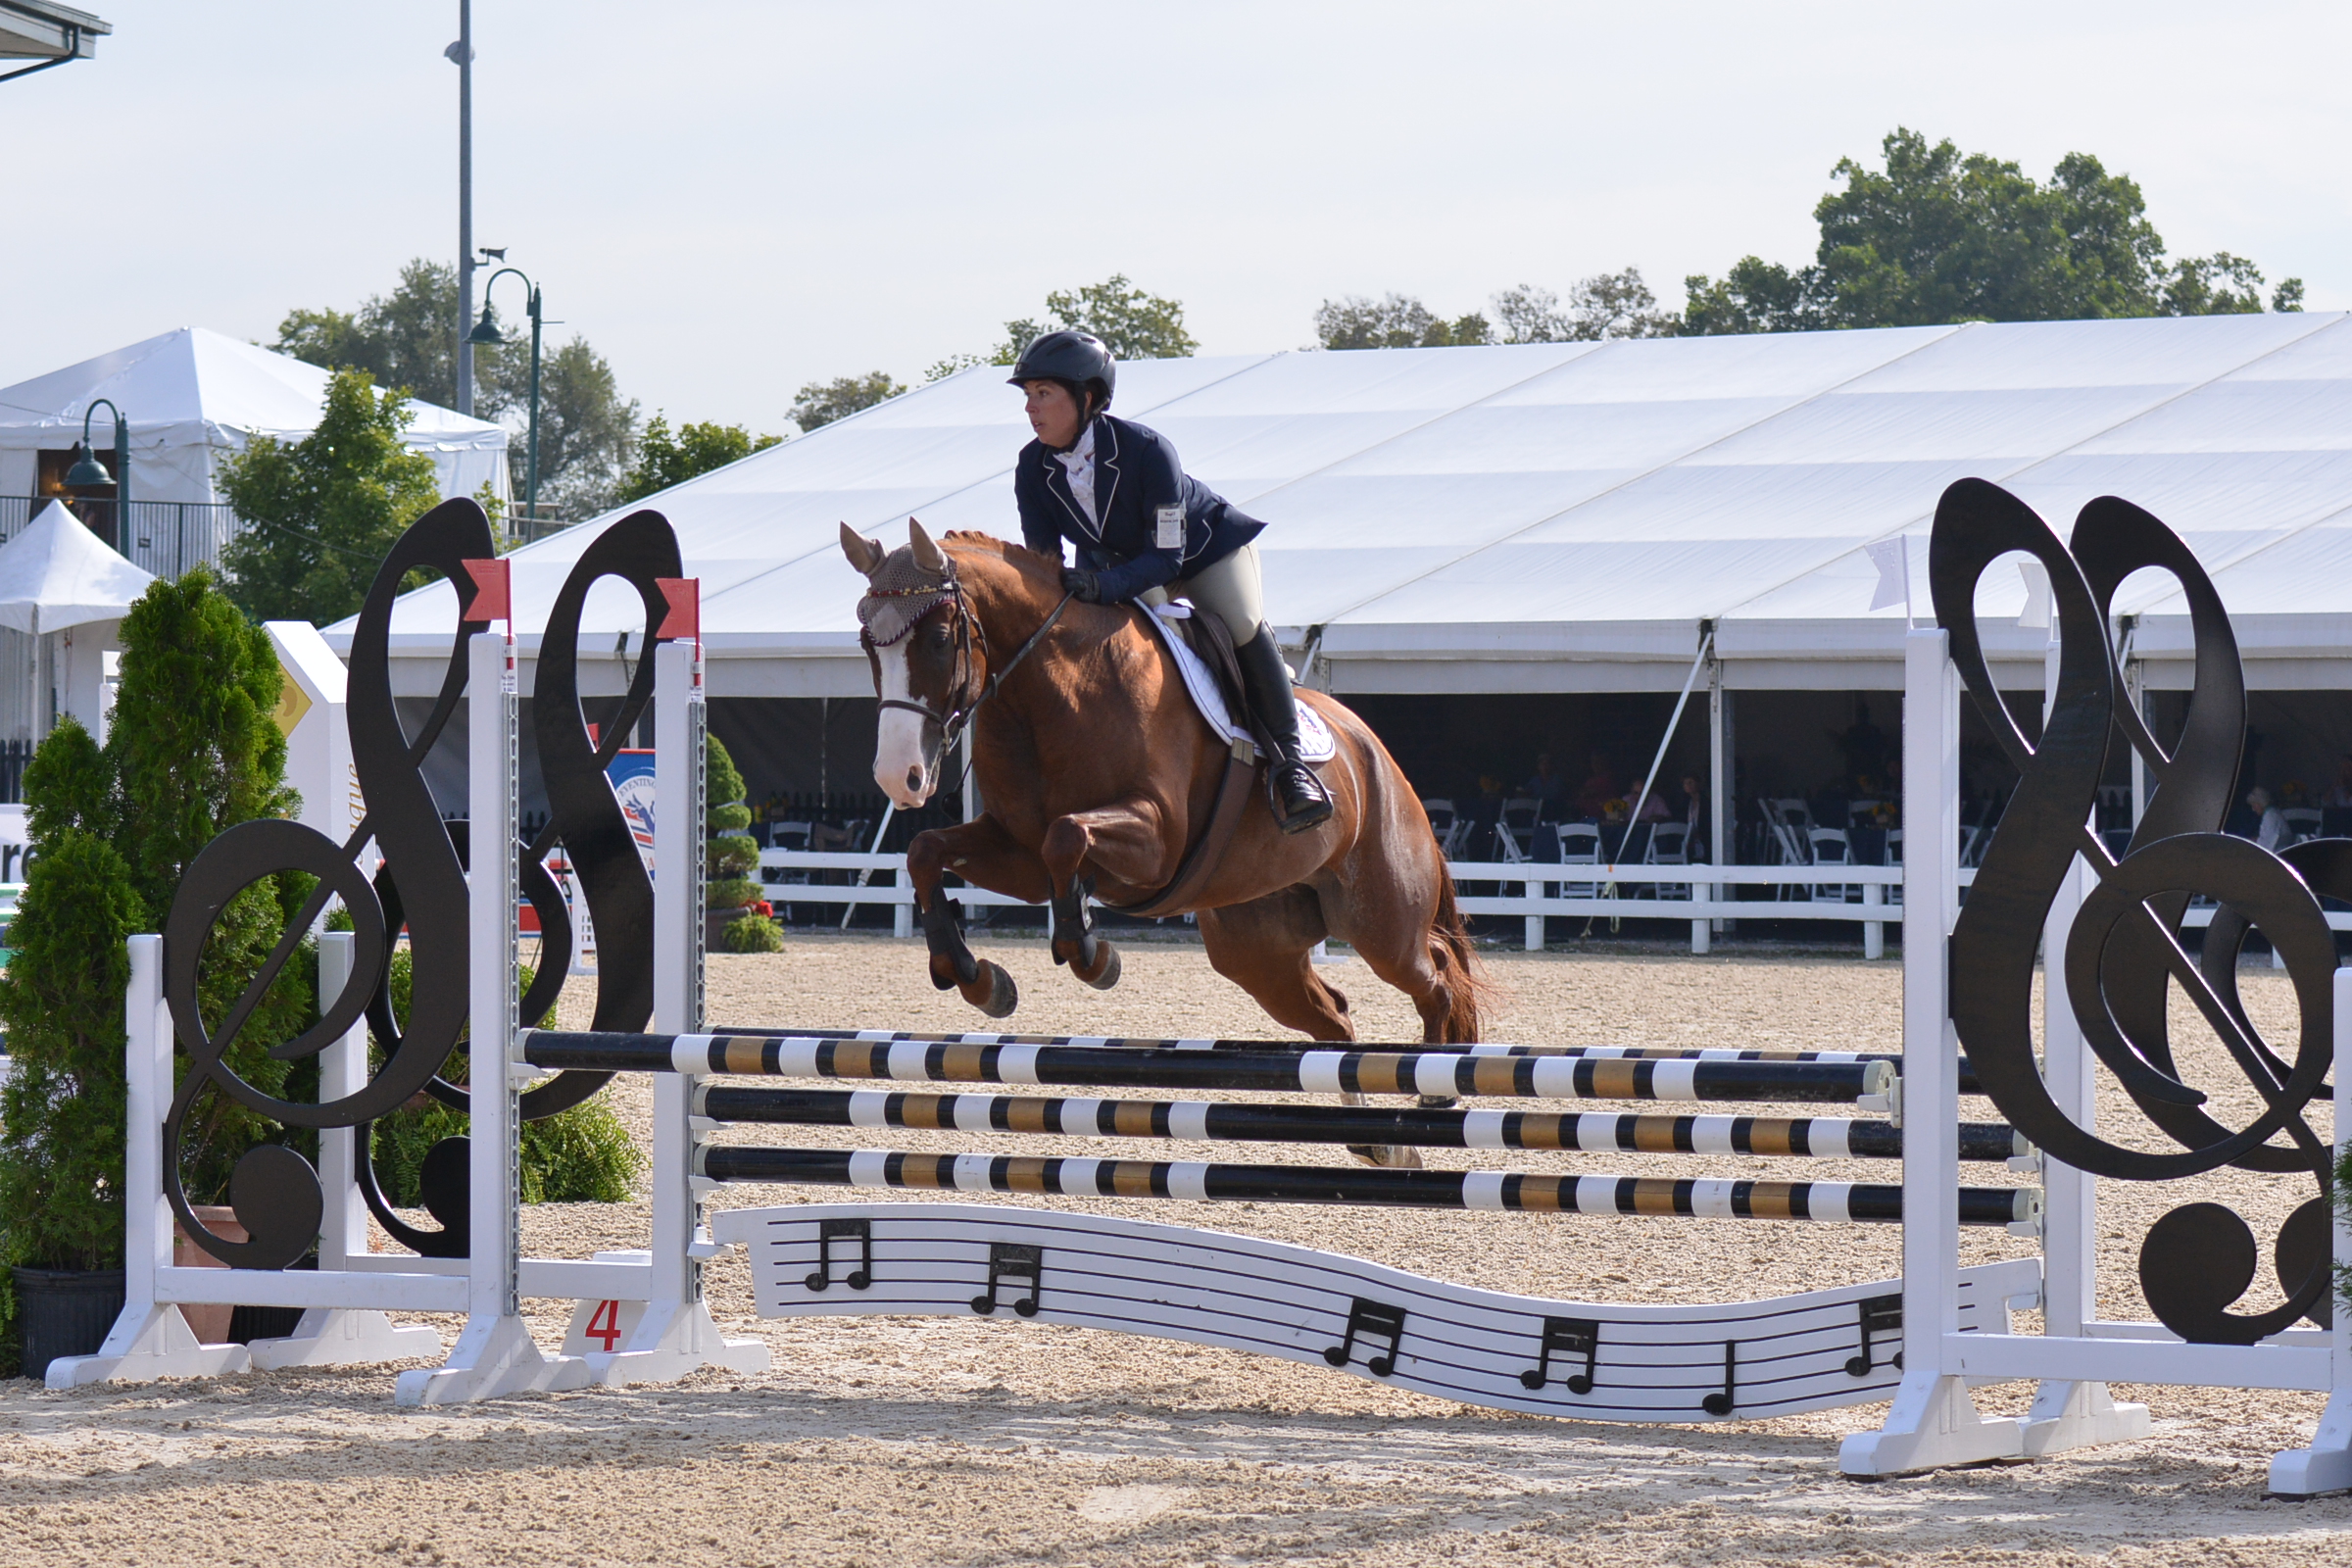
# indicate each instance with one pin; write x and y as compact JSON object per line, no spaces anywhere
{"x":192,"y":751}
{"x":408,"y":339}
{"x":1396,"y":322}
{"x":321,"y":513}
{"x":664,"y":459}
{"x":1938,"y":236}
{"x":587,"y":433}
{"x":1132,"y":323}
{"x":1607,"y":305}
{"x":820,"y":403}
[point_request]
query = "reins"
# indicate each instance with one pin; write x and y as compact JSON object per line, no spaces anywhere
{"x":953,"y":724}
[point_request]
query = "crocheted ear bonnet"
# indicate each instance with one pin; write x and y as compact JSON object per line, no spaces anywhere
{"x":898,"y":594}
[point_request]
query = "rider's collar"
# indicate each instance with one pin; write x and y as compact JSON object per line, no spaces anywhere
{"x":1079,"y":450}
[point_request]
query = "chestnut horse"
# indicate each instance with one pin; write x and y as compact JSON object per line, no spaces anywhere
{"x":1097,"y":772}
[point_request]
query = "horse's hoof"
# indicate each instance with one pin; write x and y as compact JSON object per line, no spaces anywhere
{"x":1395,"y":1157}
{"x":1106,"y":967}
{"x":994,"y":993}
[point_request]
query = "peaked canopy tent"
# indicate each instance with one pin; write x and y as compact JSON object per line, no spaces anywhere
{"x":62,"y":595}
{"x":1573,"y":519}
{"x":193,"y":395}
{"x":1567,"y":516}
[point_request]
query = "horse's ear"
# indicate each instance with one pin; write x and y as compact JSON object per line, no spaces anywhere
{"x":865,"y":553}
{"x":927,"y":554}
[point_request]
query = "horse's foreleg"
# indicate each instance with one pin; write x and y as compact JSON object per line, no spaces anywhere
{"x":1121,"y":841}
{"x":984,"y":855}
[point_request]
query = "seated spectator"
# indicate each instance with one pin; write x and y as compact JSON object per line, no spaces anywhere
{"x":1598,"y":789}
{"x":1654,"y":805}
{"x":1546,"y":784}
{"x":1695,"y":817}
{"x":2342,"y":794}
{"x":2270,"y":830}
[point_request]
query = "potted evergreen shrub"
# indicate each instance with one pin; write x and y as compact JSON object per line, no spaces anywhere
{"x":732,"y":893}
{"x":193,"y":750}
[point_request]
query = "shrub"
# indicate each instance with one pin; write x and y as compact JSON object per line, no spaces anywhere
{"x":752,"y":933}
{"x":193,"y":751}
{"x":583,"y":1154}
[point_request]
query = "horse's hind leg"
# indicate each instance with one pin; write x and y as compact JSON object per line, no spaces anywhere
{"x":1266,"y":946}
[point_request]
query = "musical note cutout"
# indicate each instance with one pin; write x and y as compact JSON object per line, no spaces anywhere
{"x":1880,"y":1314}
{"x":1721,"y":1403}
{"x":827,"y":1230}
{"x":1567,"y":1337}
{"x":1022,"y":1264}
{"x":1373,"y":1320}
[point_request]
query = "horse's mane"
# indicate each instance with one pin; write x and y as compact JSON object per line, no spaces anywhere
{"x":1020,"y":558}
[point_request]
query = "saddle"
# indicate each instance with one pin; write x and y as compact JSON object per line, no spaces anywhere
{"x":1207,"y":637}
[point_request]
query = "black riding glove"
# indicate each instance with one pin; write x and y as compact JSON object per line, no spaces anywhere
{"x":1081,"y":584}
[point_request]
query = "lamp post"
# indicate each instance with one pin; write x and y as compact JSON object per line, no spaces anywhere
{"x":486,"y":332}
{"x":88,"y":472}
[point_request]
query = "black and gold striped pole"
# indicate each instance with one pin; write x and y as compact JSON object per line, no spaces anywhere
{"x":1440,"y":1073}
{"x":1368,"y":1186}
{"x":1588,"y":1132}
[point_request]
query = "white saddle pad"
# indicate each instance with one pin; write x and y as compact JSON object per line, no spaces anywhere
{"x":1315,"y":743}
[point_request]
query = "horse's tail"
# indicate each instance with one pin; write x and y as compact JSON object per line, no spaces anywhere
{"x":1468,"y":990}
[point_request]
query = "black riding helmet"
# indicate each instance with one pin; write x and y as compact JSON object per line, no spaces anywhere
{"x":1078,"y":358}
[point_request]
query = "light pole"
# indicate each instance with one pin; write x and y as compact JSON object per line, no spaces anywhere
{"x":461,"y":54}
{"x":486,"y":332}
{"x":88,"y":472}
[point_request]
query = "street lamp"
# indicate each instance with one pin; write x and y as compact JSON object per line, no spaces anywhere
{"x":88,"y":472}
{"x":486,"y":333}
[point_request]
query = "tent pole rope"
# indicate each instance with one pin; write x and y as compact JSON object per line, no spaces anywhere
{"x":1633,"y":818}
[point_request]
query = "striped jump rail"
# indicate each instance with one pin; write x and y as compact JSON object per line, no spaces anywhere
{"x":1967,"y":1077}
{"x":1364,"y":1187}
{"x":1386,"y":1072}
{"x":1815,"y":1136}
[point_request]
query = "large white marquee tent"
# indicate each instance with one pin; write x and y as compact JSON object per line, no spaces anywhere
{"x":1566,"y":518}
{"x":192,"y":396}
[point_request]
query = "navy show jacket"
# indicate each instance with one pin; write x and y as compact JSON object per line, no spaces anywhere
{"x":1141,"y":492}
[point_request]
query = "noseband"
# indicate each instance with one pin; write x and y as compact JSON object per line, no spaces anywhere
{"x":959,"y":716}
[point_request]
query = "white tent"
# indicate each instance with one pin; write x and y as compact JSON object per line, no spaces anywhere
{"x":1565,"y":517}
{"x":57,"y":574}
{"x":62,"y":597}
{"x":193,"y":395}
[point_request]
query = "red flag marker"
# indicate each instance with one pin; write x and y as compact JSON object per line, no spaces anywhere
{"x":685,"y":615}
{"x":493,"y":590}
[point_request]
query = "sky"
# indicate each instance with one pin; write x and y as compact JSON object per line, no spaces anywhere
{"x":729,"y":200}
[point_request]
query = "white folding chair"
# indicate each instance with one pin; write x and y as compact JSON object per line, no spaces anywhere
{"x":1447,"y":825}
{"x":2302,"y":822}
{"x":1669,"y":844}
{"x":1580,"y":845}
{"x":1894,"y":857}
{"x":1786,"y":847}
{"x":1830,"y":847}
{"x":1515,"y":828}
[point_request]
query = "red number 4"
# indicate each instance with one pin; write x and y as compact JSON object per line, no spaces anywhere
{"x":605,"y":1324}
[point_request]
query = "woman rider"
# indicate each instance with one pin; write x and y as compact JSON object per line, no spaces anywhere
{"x":1140,"y":522}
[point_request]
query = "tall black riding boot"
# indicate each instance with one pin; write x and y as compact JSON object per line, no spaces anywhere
{"x":1299,"y":798}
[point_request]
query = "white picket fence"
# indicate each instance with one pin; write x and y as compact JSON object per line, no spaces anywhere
{"x":1868,"y":894}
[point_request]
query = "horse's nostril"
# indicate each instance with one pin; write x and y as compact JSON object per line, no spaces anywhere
{"x":914,"y":778}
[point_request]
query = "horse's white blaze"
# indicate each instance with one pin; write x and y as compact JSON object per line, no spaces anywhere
{"x":898,"y":753}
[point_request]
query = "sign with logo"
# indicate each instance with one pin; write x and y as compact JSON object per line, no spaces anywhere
{"x":632,"y":774}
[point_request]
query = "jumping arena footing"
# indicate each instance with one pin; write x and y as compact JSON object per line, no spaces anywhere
{"x":1922,"y":1341}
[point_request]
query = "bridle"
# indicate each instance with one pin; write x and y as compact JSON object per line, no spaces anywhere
{"x":953,"y":723}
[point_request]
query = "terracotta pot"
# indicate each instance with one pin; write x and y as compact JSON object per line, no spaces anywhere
{"x":210,"y":1322}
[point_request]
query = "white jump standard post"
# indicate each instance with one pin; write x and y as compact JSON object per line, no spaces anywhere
{"x":495,"y":1354}
{"x":2326,"y":1465}
{"x":673,"y":1333}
